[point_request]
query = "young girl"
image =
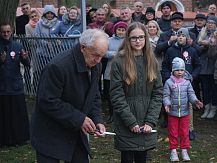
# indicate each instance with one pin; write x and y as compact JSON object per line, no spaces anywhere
{"x":136,"y":95}
{"x":178,"y":92}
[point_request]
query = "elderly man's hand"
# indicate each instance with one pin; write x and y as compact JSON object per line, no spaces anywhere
{"x":88,"y":126}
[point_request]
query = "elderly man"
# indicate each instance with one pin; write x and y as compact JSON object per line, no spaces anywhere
{"x":138,"y":16}
{"x":200,"y":22}
{"x":68,"y":102}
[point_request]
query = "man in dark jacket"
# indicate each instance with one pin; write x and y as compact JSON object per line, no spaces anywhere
{"x":200,"y":22}
{"x":22,"y":20}
{"x":68,"y":102}
{"x":164,"y":21}
{"x":138,"y":16}
{"x":167,"y":39}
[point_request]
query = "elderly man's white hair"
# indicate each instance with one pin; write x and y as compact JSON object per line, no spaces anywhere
{"x":89,"y":36}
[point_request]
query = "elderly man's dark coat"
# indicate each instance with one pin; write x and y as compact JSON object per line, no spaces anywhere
{"x":66,"y":94}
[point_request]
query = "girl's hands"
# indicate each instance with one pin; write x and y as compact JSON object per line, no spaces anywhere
{"x":167,"y":108}
{"x":136,"y":129}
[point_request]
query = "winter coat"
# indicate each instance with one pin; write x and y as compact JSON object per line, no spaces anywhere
{"x":64,"y":26}
{"x":11,"y":80}
{"x":21,"y":21}
{"x":207,"y":60}
{"x":188,"y":54}
{"x":195,"y":30}
{"x":67,"y":93}
{"x":141,"y":20}
{"x":163,"y":45}
{"x":114,"y":44}
{"x":178,"y":97}
{"x":105,"y":26}
{"x":45,"y":26}
{"x":213,"y":53}
{"x":164,"y":24}
{"x":136,"y":104}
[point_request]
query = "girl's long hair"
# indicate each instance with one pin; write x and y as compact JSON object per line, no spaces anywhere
{"x":126,"y":51}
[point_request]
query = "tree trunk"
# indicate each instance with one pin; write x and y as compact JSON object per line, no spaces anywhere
{"x":8,"y":11}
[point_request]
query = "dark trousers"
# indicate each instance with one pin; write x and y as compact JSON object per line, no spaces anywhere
{"x":209,"y":89}
{"x":80,"y":155}
{"x":130,"y":156}
{"x":196,"y":87}
{"x":106,"y":93}
{"x":104,"y":64}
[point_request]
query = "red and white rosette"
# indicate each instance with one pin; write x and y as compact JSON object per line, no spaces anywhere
{"x":12,"y":54}
{"x":185,"y":54}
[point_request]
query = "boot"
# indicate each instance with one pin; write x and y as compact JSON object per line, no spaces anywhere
{"x":185,"y":156}
{"x":174,"y":156}
{"x":206,"y":111}
{"x":212,"y":112}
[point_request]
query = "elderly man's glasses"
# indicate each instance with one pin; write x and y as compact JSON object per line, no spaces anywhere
{"x":136,"y":38}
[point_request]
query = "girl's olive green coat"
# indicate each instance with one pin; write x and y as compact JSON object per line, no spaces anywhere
{"x":139,"y":103}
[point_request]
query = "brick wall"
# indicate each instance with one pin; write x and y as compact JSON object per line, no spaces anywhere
{"x":152,"y":3}
{"x":40,"y":3}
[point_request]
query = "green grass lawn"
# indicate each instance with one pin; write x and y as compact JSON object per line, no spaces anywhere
{"x":203,"y":149}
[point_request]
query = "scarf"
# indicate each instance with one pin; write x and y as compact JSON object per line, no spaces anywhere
{"x":33,"y":23}
{"x":49,"y":23}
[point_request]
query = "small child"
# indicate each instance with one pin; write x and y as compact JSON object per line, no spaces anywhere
{"x":178,"y":92}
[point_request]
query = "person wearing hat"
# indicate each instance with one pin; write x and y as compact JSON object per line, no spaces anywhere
{"x":208,"y":87}
{"x":168,"y":39}
{"x":177,"y":94}
{"x":48,"y":21}
{"x":183,"y":50}
{"x":200,"y":22}
{"x":138,"y":16}
{"x":114,"y":43}
{"x":164,"y":21}
{"x":149,"y":15}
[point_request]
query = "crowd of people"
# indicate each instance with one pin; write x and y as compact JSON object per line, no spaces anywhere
{"x":153,"y":69}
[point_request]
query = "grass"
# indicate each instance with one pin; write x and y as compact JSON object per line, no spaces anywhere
{"x":203,"y":149}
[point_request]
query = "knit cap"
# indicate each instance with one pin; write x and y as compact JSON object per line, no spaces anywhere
{"x":212,"y":18}
{"x":120,"y":25}
{"x":183,"y":31}
{"x":150,"y":10}
{"x":178,"y":64}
